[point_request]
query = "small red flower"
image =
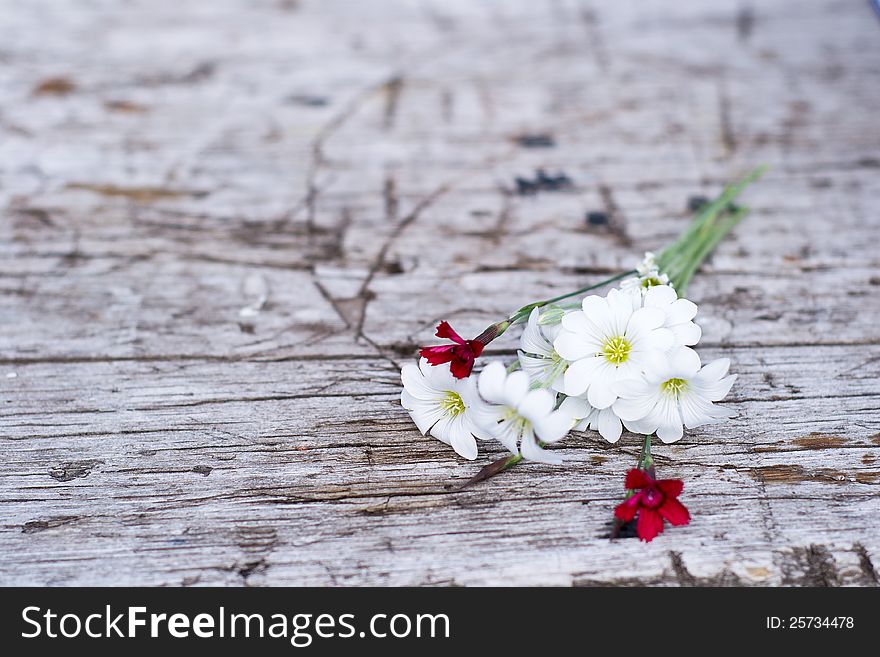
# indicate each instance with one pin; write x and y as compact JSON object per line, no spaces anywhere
{"x":654,"y":502}
{"x":460,"y":355}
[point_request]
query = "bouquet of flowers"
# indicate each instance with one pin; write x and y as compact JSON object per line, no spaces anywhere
{"x":600,"y":363}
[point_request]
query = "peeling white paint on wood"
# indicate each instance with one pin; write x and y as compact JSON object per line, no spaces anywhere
{"x":225,"y":226}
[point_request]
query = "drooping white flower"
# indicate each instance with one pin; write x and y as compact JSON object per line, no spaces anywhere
{"x":538,"y":358}
{"x":679,"y":314}
{"x":605,"y":420}
{"x":443,"y":405}
{"x":676,"y":394}
{"x":516,"y":415}
{"x":648,"y":275}
{"x":609,"y":341}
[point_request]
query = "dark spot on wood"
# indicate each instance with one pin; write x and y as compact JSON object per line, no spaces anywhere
{"x":598,"y":459}
{"x":876,"y":439}
{"x":819,"y":441}
{"x":253,"y":568}
{"x":868,"y":163}
{"x":796,"y":474}
{"x":542,"y":182}
{"x":148,"y":452}
{"x":55,"y":86}
{"x":393,"y":267}
{"x":874,"y":280}
{"x":307,"y":100}
{"x":73,"y":470}
{"x":868,"y":458}
{"x":597,"y":218}
{"x":203,"y":470}
{"x":32,"y":215}
{"x":745,"y":23}
{"x":389,"y":195}
{"x":535,"y":141}
{"x":200,"y":72}
{"x":865,"y":564}
{"x":404,"y":348}
{"x":124,"y":106}
{"x":812,"y":566}
{"x":696,"y":203}
{"x":138,"y":194}
{"x":34,"y":526}
{"x":616,"y":221}
{"x":868,"y":477}
{"x":821,"y":183}
{"x":246,"y":327}
{"x":392,"y":89}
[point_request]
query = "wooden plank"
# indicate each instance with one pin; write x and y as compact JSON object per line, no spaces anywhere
{"x":224,"y":230}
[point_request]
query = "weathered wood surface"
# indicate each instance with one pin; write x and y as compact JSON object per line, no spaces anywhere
{"x":225,"y":224}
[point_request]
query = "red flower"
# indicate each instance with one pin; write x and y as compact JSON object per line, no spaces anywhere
{"x":460,"y":355}
{"x":654,"y":502}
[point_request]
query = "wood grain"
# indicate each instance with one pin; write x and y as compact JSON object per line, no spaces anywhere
{"x":224,"y":228}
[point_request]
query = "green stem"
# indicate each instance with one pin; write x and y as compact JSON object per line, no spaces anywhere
{"x":646,"y":461}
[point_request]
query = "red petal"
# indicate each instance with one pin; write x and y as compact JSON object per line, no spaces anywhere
{"x":670,"y":487}
{"x":650,"y":524}
{"x":476,"y":346}
{"x":626,"y":511}
{"x":444,"y":330}
{"x":461,"y":367}
{"x":637,"y":479}
{"x":437,"y":355}
{"x":674,"y":511}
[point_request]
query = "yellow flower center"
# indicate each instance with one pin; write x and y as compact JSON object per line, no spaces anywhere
{"x":616,"y":350}
{"x":674,"y":387}
{"x":452,"y":404}
{"x":650,"y":282}
{"x":519,"y":423}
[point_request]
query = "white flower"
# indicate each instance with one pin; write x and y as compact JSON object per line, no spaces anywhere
{"x":605,"y":420}
{"x":610,"y":341}
{"x":537,"y":356}
{"x":517,"y":414}
{"x":679,"y":393}
{"x":679,"y":313}
{"x":443,"y":405}
{"x":648,"y":276}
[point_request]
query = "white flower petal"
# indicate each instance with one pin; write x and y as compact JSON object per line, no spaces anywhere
{"x":635,"y":408}
{"x":515,"y":388}
{"x":554,"y":426}
{"x":644,"y":321}
{"x":461,"y":439}
{"x":670,"y":428}
{"x":425,"y":414}
{"x":491,"y":382}
{"x":684,"y":363}
{"x":441,"y":429}
{"x":415,"y":383}
{"x":687,"y":334}
{"x":642,"y":427}
{"x":532,"y":340}
{"x":536,"y":404}
{"x":680,"y":311}
{"x":610,"y":427}
{"x":508,"y":436}
{"x":531,"y":451}
{"x":576,"y":407}
{"x":601,"y":392}
{"x":580,"y":375}
{"x":537,"y":367}
{"x":574,"y":346}
{"x":660,"y":296}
